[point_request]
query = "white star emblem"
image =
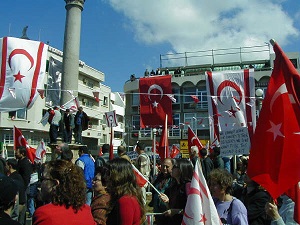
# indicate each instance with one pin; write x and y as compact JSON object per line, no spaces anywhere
{"x":155,"y":104}
{"x":275,"y":129}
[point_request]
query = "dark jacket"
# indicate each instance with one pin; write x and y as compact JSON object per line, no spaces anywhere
{"x":25,"y":170}
{"x":84,"y":120}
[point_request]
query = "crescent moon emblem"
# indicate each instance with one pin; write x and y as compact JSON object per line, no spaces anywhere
{"x":111,"y":118}
{"x":281,"y":90}
{"x":193,"y":138}
{"x":21,"y":52}
{"x":228,"y":83}
{"x":152,"y":87}
{"x":19,"y":139}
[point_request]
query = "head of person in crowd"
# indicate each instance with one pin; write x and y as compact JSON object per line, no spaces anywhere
{"x":220,"y":183}
{"x":122,"y":182}
{"x":183,"y":171}
{"x":63,"y":183}
{"x":105,"y":148}
{"x":67,"y":155}
{"x":100,"y":180}
{"x":167,"y":166}
{"x":216,"y":151}
{"x":83,"y":150}
{"x":8,"y":194}
{"x":194,"y":151}
{"x":121,"y":150}
{"x":203,"y":152}
{"x":20,"y":152}
{"x":80,"y":109}
{"x":140,"y":147}
{"x":61,"y":148}
{"x":11,"y":165}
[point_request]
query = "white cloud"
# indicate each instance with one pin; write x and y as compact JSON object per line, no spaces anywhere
{"x":192,"y":25}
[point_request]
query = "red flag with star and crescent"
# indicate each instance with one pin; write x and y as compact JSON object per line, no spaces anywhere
{"x":200,"y":207}
{"x":19,"y":140}
{"x":154,"y":101}
{"x":193,"y":140}
{"x":23,"y":66}
{"x":275,"y":150}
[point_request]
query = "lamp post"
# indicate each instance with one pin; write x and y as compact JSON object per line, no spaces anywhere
{"x":259,"y":98}
{"x":154,"y":130}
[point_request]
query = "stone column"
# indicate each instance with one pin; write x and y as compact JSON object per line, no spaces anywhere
{"x":71,"y":49}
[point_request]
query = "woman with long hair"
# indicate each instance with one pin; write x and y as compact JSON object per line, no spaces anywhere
{"x":176,"y":194}
{"x":126,"y":205}
{"x":63,"y":186}
{"x":101,"y":198}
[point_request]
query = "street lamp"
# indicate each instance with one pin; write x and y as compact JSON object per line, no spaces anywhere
{"x":154,"y":130}
{"x":259,"y":97}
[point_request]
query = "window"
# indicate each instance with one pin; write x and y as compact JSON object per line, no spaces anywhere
{"x":294,"y":62}
{"x":187,"y":92}
{"x":136,"y":122}
{"x":105,"y":100}
{"x":19,"y":114}
{"x":176,"y":93}
{"x":135,"y":99}
{"x":176,"y":119}
{"x":202,"y":96}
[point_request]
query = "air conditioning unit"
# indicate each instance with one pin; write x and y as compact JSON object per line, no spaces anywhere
{"x":84,"y":100}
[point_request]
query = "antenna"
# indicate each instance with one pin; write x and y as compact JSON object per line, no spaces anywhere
{"x":9,"y":26}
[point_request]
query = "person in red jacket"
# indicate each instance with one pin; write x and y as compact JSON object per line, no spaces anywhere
{"x":126,"y":205}
{"x":63,"y":186}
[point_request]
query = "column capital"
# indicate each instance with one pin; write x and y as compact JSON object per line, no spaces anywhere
{"x":78,"y":3}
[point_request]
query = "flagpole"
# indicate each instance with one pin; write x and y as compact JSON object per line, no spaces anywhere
{"x":146,"y":179}
{"x":154,"y":150}
{"x":111,"y":150}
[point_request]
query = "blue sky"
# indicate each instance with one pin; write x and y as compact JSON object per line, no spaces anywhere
{"x":121,"y":38}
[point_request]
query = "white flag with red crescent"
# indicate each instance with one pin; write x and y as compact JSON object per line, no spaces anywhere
{"x":111,"y":119}
{"x":40,"y":151}
{"x":230,"y":101}
{"x":200,"y":208}
{"x":23,"y":66}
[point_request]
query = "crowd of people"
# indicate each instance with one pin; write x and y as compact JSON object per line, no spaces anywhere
{"x":67,"y":125}
{"x":96,"y":190}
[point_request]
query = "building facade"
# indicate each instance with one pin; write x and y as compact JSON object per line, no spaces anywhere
{"x":188,"y":78}
{"x":89,"y":82}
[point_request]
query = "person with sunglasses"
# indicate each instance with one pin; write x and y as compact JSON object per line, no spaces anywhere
{"x":63,"y":187}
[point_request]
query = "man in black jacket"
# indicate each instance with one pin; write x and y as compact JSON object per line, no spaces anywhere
{"x":8,"y":196}
{"x":25,"y":170}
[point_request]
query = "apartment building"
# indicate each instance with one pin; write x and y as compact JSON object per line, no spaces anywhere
{"x":90,"y":84}
{"x":188,"y":78}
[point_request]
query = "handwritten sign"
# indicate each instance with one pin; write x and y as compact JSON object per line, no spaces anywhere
{"x":235,"y":142}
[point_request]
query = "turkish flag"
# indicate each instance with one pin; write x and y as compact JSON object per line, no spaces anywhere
{"x":96,"y":95}
{"x":19,"y":140}
{"x":175,"y":151}
{"x":195,"y":98}
{"x":140,"y":179}
{"x":275,"y":152}
{"x":23,"y":66}
{"x":154,"y":100}
{"x":164,"y":142}
{"x":193,"y":140}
